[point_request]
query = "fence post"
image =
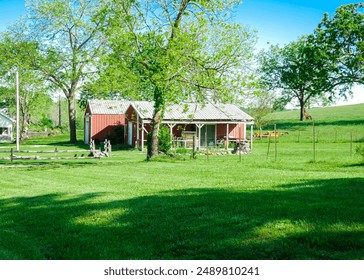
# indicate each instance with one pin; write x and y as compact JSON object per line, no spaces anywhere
{"x":314,"y":141}
{"x":268,"y":146}
{"x":11,"y":155}
{"x":275,"y":142}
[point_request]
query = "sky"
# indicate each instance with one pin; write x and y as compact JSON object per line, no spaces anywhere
{"x":276,"y":21}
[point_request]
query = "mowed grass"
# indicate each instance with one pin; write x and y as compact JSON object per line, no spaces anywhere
{"x":340,"y":124}
{"x":215,"y":207}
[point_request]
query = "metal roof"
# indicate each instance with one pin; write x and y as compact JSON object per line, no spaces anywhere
{"x":194,"y":112}
{"x":108,"y":107}
{"x":173,"y":112}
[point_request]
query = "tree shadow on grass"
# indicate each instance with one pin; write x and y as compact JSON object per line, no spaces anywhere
{"x":308,"y":220}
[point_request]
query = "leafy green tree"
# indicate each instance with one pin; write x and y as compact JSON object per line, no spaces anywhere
{"x":342,"y":38}
{"x":260,"y":106}
{"x":33,"y":97}
{"x":174,"y":51}
{"x":67,"y":40}
{"x":299,"y":71}
{"x":34,"y":101}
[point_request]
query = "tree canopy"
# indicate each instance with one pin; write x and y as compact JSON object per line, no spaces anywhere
{"x":299,"y":71}
{"x":342,"y":38}
{"x":173,"y":51}
{"x":67,"y":41}
{"x":15,"y":55}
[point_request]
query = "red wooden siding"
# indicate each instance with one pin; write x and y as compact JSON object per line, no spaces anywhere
{"x":233,"y":131}
{"x":104,"y":125}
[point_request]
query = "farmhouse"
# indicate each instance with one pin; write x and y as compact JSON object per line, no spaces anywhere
{"x":209,"y":124}
{"x":102,"y":117}
{"x":6,"y":127}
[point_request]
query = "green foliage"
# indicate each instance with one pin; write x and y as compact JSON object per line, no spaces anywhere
{"x":184,"y":52}
{"x":301,"y":72}
{"x":182,"y":150}
{"x":46,"y":122}
{"x":261,"y":106}
{"x":164,"y":139}
{"x":341,"y":37}
{"x":61,"y":41}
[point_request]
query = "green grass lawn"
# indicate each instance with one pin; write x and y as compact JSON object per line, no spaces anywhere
{"x":214,"y":207}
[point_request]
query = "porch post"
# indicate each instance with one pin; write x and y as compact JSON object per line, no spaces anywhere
{"x":171,"y":126}
{"x":199,"y":126}
{"x":137,"y":130}
{"x":227,"y":136}
{"x":142,"y":136}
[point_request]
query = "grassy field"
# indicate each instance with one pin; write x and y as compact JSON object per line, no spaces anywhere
{"x":215,"y":207}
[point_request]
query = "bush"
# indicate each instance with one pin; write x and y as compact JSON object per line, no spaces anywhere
{"x":46,"y":122}
{"x":164,"y":140}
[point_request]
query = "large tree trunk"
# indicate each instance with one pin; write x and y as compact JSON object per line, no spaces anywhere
{"x":153,"y":144}
{"x":24,"y":125}
{"x":302,"y":108}
{"x":156,"y":122}
{"x":72,"y":118}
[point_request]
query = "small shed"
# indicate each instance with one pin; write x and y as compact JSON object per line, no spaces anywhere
{"x":102,"y":117}
{"x":211,"y":124}
{"x":6,"y":127}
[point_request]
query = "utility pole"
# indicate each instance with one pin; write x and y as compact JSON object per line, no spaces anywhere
{"x":17,"y":109}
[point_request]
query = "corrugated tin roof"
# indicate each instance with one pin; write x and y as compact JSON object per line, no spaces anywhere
{"x":174,"y":112}
{"x":193,"y":111}
{"x":108,"y":107}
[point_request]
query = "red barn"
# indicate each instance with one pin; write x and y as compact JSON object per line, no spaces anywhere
{"x":102,"y":117}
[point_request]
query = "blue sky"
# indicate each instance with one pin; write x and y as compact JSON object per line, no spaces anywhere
{"x":10,"y":10}
{"x":276,"y":21}
{"x":283,"y":21}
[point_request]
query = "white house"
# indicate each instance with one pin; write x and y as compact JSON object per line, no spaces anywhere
{"x":6,"y":127}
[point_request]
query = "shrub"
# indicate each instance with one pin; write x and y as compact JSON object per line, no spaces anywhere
{"x":46,"y":122}
{"x":164,"y":140}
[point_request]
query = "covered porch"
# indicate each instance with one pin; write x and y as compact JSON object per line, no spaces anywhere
{"x":201,"y":135}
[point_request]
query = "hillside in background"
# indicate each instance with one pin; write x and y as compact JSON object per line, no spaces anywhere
{"x":337,"y":114}
{"x":333,"y":124}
